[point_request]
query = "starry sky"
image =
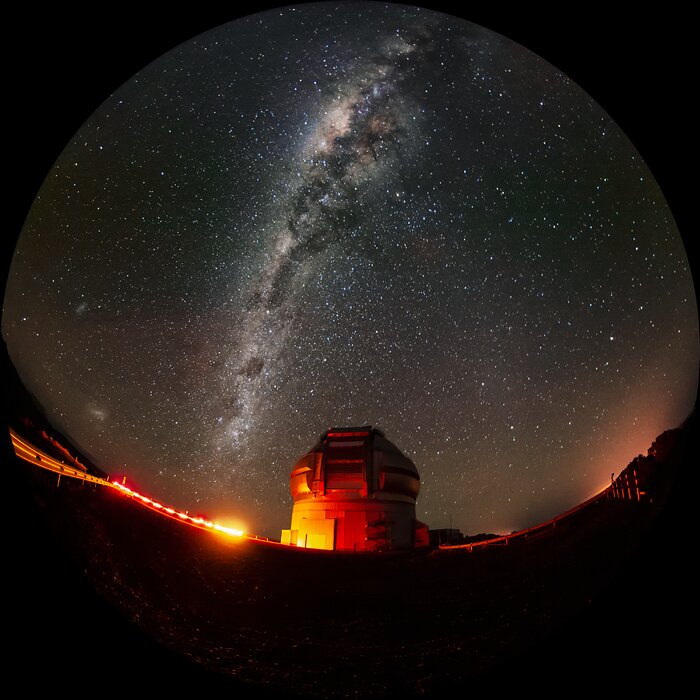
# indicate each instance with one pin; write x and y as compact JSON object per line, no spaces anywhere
{"x":339,"y":214}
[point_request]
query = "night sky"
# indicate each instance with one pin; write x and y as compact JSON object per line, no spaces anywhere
{"x":348,"y":214}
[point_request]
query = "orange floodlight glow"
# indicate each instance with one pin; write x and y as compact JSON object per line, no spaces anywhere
{"x":198,"y":522}
{"x":229,"y":530}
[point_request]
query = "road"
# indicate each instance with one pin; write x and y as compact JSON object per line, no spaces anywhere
{"x":32,"y":454}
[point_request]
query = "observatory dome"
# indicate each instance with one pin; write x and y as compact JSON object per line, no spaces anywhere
{"x":355,"y":490}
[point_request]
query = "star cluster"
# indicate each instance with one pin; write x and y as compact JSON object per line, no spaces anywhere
{"x":339,"y":214}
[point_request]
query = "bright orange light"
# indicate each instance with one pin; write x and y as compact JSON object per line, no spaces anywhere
{"x":228,"y":530}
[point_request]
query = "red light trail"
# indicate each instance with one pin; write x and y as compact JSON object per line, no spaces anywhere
{"x":29,"y":453}
{"x":175,"y":514}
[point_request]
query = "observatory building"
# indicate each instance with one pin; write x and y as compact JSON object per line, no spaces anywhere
{"x":355,"y":491}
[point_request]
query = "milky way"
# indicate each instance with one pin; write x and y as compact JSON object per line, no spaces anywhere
{"x":347,"y":214}
{"x":359,"y":134}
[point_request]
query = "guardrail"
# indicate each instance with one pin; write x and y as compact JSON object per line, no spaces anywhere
{"x":29,"y":453}
{"x":531,"y":531}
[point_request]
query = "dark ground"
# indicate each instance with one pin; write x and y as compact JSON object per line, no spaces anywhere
{"x":107,"y":592}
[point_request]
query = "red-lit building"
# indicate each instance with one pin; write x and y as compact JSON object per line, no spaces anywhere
{"x":355,"y":491}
